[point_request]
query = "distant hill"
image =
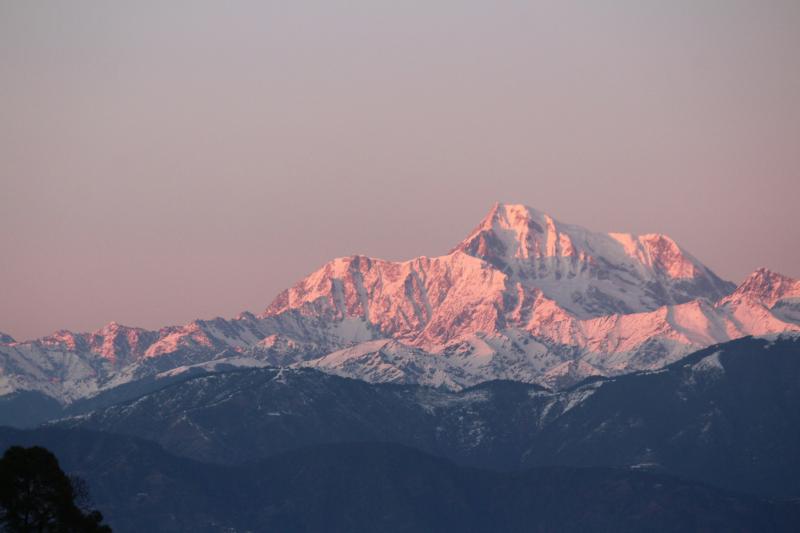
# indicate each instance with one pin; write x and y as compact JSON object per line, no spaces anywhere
{"x":366,"y":487}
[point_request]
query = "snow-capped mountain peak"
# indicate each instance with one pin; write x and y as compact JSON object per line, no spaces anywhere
{"x":590,"y":273}
{"x":519,"y":267}
{"x":766,"y":286}
{"x":515,"y":231}
{"x":120,"y":344}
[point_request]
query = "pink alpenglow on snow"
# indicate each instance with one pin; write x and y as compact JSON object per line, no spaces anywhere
{"x":524,"y":297}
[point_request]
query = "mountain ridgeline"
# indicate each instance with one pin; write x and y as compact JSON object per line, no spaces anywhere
{"x":524,"y":297}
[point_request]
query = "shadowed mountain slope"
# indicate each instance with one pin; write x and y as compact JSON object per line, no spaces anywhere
{"x":384,"y":487}
{"x":726,"y":415}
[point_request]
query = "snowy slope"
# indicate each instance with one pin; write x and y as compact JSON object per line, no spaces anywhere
{"x":563,"y":351}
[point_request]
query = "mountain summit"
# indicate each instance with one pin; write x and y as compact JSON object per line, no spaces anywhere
{"x":768,"y":287}
{"x":590,"y":274}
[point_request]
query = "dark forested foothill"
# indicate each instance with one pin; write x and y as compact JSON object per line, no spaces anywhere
{"x":37,"y":496}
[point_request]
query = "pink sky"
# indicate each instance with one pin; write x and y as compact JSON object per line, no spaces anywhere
{"x":161,"y":163}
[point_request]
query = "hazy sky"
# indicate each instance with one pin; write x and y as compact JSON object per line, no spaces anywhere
{"x":162,"y":161}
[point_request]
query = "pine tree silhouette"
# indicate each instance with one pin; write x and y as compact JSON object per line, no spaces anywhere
{"x":37,"y":496}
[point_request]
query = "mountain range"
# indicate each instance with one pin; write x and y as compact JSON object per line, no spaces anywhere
{"x":539,"y":376}
{"x":708,"y":443}
{"x":725,"y":415}
{"x":524,"y":297}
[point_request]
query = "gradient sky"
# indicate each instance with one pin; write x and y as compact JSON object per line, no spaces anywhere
{"x":162,"y":161}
